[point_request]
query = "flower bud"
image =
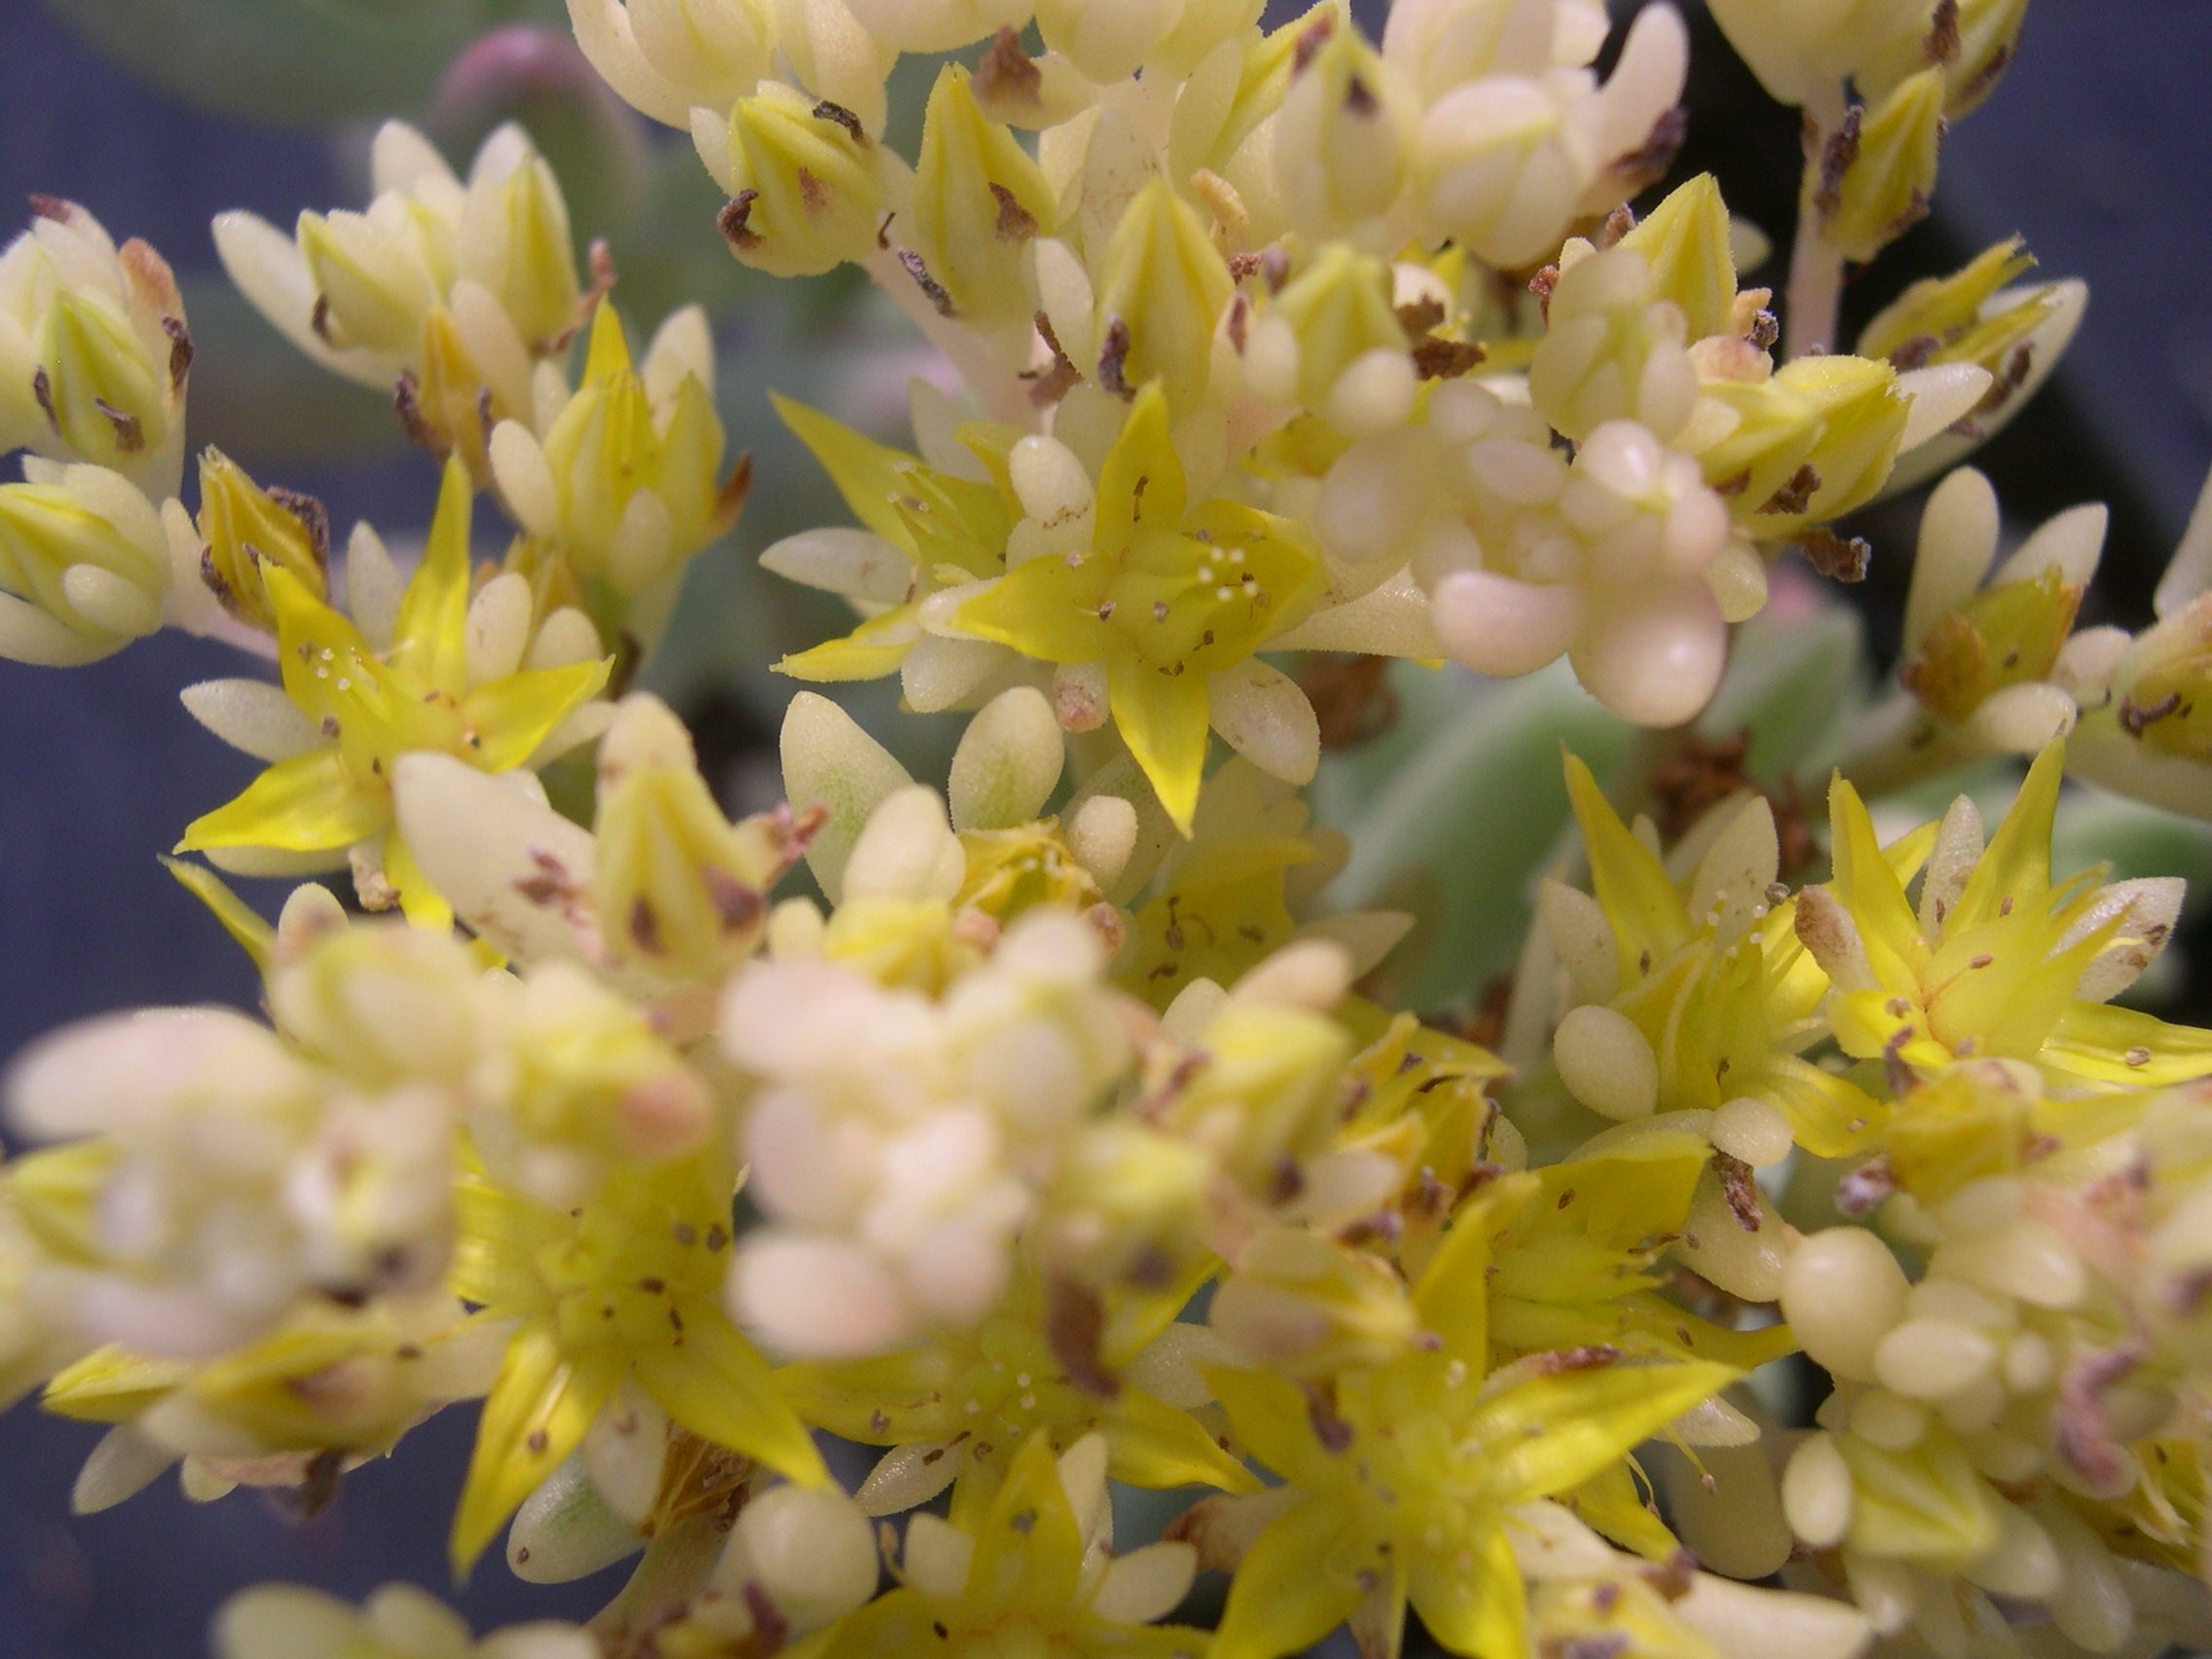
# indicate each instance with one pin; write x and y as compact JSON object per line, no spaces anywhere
{"x":93,"y":352}
{"x":979,"y":200}
{"x":936,"y":25}
{"x":1304,"y":1306}
{"x":1331,"y":342}
{"x":807,"y":184}
{"x":667,"y":57}
{"x":1264,"y":1099}
{"x":2006,"y":634}
{"x":1338,"y":145}
{"x":2160,"y":684}
{"x":1497,"y":169}
{"x":581,"y":1084}
{"x":678,"y":887}
{"x":84,"y":566}
{"x":1869,"y":196}
{"x":1800,"y":52}
{"x":1808,"y":444}
{"x":452,"y":291}
{"x":244,"y":529}
{"x":626,"y":479}
{"x":1973,"y":47}
{"x":1161,"y":291}
{"x":1945,"y":320}
{"x":1108,"y":43}
{"x":373,"y":284}
{"x":515,"y":241}
{"x":1613,"y":351}
{"x":1442,"y":44}
{"x":382,"y":1003}
{"x":1684,"y":240}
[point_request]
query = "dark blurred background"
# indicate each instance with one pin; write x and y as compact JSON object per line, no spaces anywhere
{"x":2094,"y":148}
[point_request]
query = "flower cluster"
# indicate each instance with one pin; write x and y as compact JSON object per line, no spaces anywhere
{"x":1053,"y":1131}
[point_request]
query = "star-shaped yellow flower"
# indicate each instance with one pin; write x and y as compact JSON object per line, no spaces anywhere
{"x":959,"y":1407}
{"x":373,"y":707}
{"x":1995,"y":961}
{"x":1031,"y":1576}
{"x":1405,"y":1477}
{"x":1168,"y":595}
{"x":1711,"y":972}
{"x":629,"y":1285}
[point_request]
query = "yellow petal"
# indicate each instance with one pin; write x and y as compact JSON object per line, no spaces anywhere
{"x":1830,"y":1116}
{"x":1031,"y":1529}
{"x":1869,"y":887}
{"x":908,"y":1392}
{"x":431,"y":639}
{"x":1613,"y":1503}
{"x":1453,"y":1297}
{"x":254,"y":936}
{"x":1648,"y":915}
{"x":1480,"y":1608}
{"x":714,"y":1382}
{"x":112,"y":1385}
{"x":1153,"y":1444}
{"x":536,"y":1416}
{"x":1045,"y":609}
{"x":2123,"y":1045}
{"x":1141,"y":481}
{"x":423,"y":905}
{"x":2014,"y":873}
{"x":1272,"y":1422}
{"x":1297,"y":1582}
{"x":1551,"y":1433}
{"x":306,"y":804}
{"x":867,"y":473}
{"x":608,"y":356}
{"x":509,"y":718}
{"x":871,"y":650}
{"x":1163,"y":720}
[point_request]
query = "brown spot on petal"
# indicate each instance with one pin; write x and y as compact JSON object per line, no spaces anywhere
{"x":1835,"y":558}
{"x":931,"y":287}
{"x":1738,"y":1189}
{"x":1075,"y":1328}
{"x":1015,"y":223}
{"x":1007,"y":73}
{"x":734,"y":221}
{"x":1114,"y":358}
{"x":838,"y":114}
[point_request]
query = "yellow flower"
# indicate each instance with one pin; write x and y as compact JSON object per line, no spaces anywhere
{"x":82,"y":566}
{"x":1168,"y":595}
{"x":1883,"y":189}
{"x":334,"y":1383}
{"x":94,"y":351}
{"x":979,"y":200}
{"x":371,"y":708}
{"x":1404,"y":1479}
{"x":244,"y":529}
{"x":627,"y":479}
{"x":1692,"y":996}
{"x":925,"y":529}
{"x":1049,"y":1365}
{"x":629,"y":1285}
{"x":1993,"y":962}
{"x":1163,"y":287}
{"x":677,"y":885}
{"x":1030,"y":1575}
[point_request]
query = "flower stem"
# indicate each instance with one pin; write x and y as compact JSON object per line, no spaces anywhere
{"x":1816,"y":265}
